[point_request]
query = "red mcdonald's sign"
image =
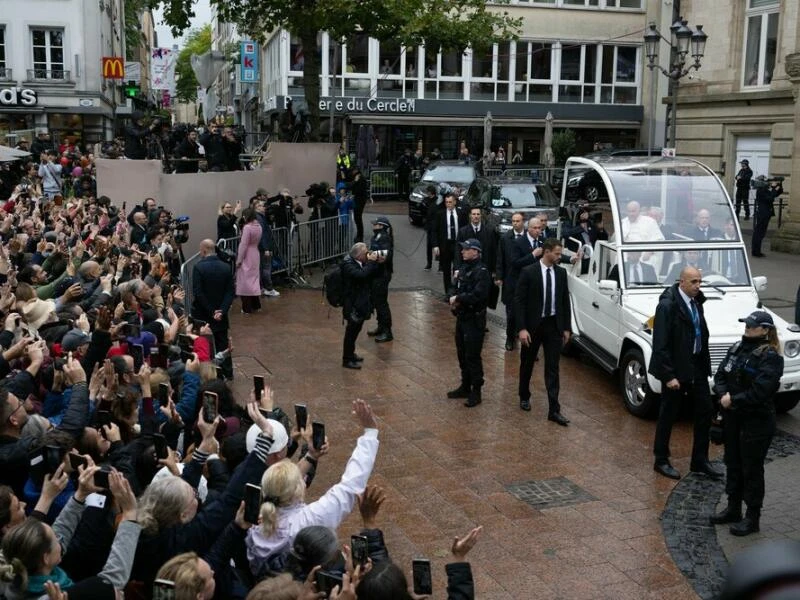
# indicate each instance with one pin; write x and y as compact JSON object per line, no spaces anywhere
{"x":113,"y":67}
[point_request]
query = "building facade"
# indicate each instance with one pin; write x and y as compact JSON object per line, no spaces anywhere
{"x":742,"y":103}
{"x":50,"y":68}
{"x":581,"y":60}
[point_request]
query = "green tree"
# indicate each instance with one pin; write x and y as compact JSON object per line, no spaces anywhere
{"x":445,"y":24}
{"x":563,"y":145}
{"x":197,"y":42}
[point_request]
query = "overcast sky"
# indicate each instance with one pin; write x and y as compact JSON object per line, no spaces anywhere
{"x":202,"y":10}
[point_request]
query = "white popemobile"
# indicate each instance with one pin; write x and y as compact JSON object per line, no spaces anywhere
{"x":659,"y":214}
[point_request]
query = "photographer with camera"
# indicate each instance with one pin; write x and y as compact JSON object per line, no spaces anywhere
{"x":135,"y":136}
{"x":767,"y":190}
{"x":382,"y":243}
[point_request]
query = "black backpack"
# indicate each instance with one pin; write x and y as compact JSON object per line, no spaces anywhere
{"x":333,"y":286}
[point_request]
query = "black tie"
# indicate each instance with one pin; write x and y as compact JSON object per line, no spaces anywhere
{"x":548,"y":293}
{"x":476,"y":230}
{"x":452,"y":225}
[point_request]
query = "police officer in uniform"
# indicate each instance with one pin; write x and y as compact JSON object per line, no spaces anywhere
{"x":382,"y":242}
{"x":468,"y":304}
{"x":746,"y":382}
{"x":766,"y":193}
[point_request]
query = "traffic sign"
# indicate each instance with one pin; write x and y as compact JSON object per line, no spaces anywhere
{"x":249,"y":69}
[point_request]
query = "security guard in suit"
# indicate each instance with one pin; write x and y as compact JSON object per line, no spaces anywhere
{"x":382,"y":242}
{"x":746,"y":381}
{"x":468,"y":304}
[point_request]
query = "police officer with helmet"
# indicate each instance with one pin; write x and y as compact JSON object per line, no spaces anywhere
{"x":746,"y":381}
{"x":382,"y":243}
{"x":468,"y":304}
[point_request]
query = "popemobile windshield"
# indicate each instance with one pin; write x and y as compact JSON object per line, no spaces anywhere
{"x":659,"y":215}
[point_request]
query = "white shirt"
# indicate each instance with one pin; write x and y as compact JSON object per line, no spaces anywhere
{"x":329,"y":511}
{"x":643,"y":229}
{"x":451,"y":214}
{"x":531,"y":241}
{"x":688,"y":302}
{"x":544,"y":289}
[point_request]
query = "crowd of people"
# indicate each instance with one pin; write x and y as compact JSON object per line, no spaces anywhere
{"x":126,"y":463}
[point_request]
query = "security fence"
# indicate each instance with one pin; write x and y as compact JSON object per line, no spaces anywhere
{"x":383,"y":183}
{"x":295,"y":248}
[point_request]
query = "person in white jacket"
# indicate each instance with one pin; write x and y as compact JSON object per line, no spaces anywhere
{"x":284,"y":511}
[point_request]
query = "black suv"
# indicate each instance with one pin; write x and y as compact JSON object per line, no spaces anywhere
{"x":442,"y":175}
{"x":501,"y":197}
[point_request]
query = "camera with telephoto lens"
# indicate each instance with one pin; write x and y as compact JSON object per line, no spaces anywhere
{"x":178,"y":226}
{"x":382,"y":253}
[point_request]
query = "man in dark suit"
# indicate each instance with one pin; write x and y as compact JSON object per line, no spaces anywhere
{"x":690,"y":258}
{"x":212,"y":290}
{"x":359,"y":268}
{"x":636,"y":271}
{"x":681,"y":361}
{"x":702,"y":231}
{"x":503,"y":273}
{"x":528,"y":247}
{"x":476,"y":229}
{"x":448,"y":221}
{"x":543,"y":317}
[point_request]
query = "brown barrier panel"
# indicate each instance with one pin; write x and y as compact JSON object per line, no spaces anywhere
{"x":199,"y":195}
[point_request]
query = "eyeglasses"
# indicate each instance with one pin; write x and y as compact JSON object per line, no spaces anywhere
{"x":13,"y":412}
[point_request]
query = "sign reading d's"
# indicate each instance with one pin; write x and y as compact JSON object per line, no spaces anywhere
{"x":113,"y":67}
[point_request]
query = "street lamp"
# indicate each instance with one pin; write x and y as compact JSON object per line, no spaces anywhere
{"x":682,"y":41}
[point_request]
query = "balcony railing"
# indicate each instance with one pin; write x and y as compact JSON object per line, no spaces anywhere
{"x":48,"y":75}
{"x":5,"y":74}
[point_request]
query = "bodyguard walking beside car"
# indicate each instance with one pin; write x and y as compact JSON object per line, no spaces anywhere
{"x":504,"y":273}
{"x":681,"y":361}
{"x":746,"y":382}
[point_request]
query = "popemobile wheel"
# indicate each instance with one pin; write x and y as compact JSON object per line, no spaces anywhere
{"x":639,"y":399}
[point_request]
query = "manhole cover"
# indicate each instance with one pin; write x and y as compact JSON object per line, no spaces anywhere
{"x":549,"y":493}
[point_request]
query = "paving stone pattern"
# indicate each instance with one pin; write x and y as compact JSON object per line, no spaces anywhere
{"x":702,"y":551}
{"x":549,"y":493}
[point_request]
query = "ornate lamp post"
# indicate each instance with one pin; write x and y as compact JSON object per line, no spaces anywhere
{"x":683,"y":41}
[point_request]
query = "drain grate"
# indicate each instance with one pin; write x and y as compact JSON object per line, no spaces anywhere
{"x":549,"y":493}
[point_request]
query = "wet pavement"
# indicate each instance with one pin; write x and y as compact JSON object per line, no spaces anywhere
{"x":570,"y":512}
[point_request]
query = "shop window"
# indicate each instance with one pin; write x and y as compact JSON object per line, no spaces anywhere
{"x":48,"y":54}
{"x":761,"y":42}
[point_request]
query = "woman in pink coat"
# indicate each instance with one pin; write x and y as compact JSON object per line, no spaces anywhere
{"x":248,"y":276}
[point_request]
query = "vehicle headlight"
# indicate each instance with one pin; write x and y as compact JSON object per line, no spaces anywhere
{"x":791,"y":348}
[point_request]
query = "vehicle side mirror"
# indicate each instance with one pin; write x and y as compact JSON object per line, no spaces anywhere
{"x":760,"y":283}
{"x":607,"y":286}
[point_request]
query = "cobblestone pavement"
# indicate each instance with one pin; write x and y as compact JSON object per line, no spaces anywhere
{"x":568,"y":513}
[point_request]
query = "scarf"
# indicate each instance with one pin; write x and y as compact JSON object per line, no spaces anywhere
{"x":57,"y":575}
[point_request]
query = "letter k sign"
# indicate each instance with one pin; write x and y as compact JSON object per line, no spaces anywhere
{"x":248,"y":62}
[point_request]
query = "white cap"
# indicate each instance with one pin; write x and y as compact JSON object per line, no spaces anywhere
{"x":280,"y":439}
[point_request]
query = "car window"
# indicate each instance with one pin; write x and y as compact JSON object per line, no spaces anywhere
{"x":719,"y":267}
{"x":528,"y":195}
{"x":450,"y":174}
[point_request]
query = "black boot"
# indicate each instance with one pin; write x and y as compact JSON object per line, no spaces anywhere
{"x":374,"y":332}
{"x":731,"y":513}
{"x":384,"y":336}
{"x":474,"y":398}
{"x":461,"y":391}
{"x":747,"y":525}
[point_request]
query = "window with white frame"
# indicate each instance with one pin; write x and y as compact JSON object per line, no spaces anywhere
{"x":297,"y":61}
{"x":48,"y":53}
{"x":533,"y":71}
{"x":3,"y":74}
{"x":583,"y":66}
{"x":760,"y":42}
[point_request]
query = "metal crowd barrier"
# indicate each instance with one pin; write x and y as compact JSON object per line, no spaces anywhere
{"x":383,"y":183}
{"x":321,"y":240}
{"x":295,"y":247}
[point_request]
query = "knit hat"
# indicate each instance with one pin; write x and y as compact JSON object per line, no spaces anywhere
{"x":279,"y":436}
{"x":38,"y":312}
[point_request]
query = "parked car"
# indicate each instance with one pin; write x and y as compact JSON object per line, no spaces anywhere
{"x":612,"y":315}
{"x":443,"y":175}
{"x":500,"y":197}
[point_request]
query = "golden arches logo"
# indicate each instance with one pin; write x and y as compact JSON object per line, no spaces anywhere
{"x":113,"y":67}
